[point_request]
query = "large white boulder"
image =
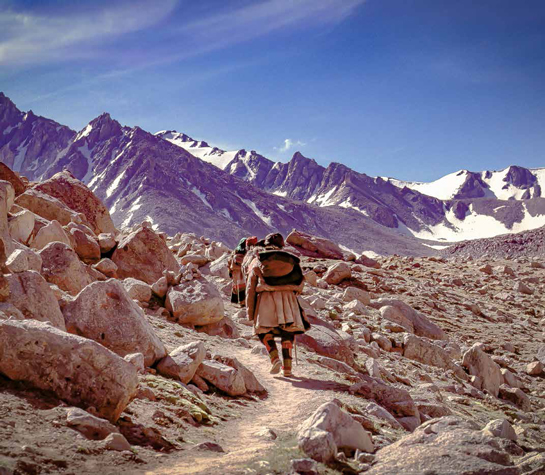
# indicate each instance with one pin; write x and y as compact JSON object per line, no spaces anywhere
{"x":223,"y":377}
{"x":62,"y":267}
{"x":137,"y":289}
{"x":104,"y":312}
{"x":197,"y":302}
{"x":330,"y":429}
{"x":52,"y":232}
{"x":76,"y":196}
{"x":337,"y":273}
{"x":480,"y":364}
{"x":404,"y":314}
{"x":78,"y":370}
{"x":30,"y":293}
{"x":182,"y":363}
{"x":144,"y":255}
{"x":21,"y":225}
{"x":23,"y":259}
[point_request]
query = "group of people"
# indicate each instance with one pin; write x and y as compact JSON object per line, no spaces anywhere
{"x":267,"y":281}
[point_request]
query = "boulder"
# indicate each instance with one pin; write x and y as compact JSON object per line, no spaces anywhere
{"x":356,"y":307}
{"x":225,"y":328}
{"x":396,"y":400}
{"x":393,"y":314}
{"x":314,"y":246}
{"x":425,"y":351}
{"x":448,"y":445}
{"x":90,"y":426}
{"x":522,"y":288}
{"x":137,"y":360}
{"x":144,"y":255}
{"x":535,"y":368}
{"x":197,"y":302}
{"x":326,"y":341}
{"x":182,"y":363}
{"x":196,"y":259}
{"x":160,"y":288}
{"x":328,"y":430}
{"x":337,"y":273}
{"x":86,"y":247}
{"x":478,"y":363}
{"x":500,"y":428}
{"x":106,"y":241}
{"x":421,"y":324}
{"x":251,"y":383}
{"x":30,"y":294}
{"x":6,"y":174}
{"x":108,"y":268}
{"x":62,"y":267}
{"x":311,"y":278}
{"x":223,"y":377}
{"x":52,"y":232}
{"x":78,"y":370}
{"x":354,"y":293}
{"x":23,"y":259}
{"x":219,"y":267}
{"x":21,"y":225}
{"x":104,"y":312}
{"x":76,"y":196}
{"x":137,"y":289}
{"x":7,"y":196}
{"x":47,"y":207}
{"x":517,"y":396}
{"x":367,"y":262}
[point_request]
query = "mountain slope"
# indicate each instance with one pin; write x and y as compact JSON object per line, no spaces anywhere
{"x":181,"y":184}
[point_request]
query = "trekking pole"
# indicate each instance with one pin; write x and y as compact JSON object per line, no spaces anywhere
{"x":295,"y":349}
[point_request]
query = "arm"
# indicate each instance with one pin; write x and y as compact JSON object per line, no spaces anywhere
{"x":251,"y":294}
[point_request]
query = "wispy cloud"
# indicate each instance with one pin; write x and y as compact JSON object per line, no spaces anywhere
{"x":27,"y":37}
{"x":289,"y":144}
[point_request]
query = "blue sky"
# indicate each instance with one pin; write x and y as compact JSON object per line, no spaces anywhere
{"x":408,"y":88}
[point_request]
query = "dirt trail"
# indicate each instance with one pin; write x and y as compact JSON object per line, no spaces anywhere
{"x":289,"y":402}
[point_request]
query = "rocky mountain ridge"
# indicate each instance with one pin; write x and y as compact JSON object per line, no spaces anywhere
{"x":165,"y":179}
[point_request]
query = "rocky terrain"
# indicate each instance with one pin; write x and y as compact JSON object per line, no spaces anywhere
{"x":175,"y":182}
{"x":120,"y":352}
{"x":527,"y":243}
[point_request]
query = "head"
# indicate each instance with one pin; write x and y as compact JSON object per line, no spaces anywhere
{"x":251,"y":242}
{"x":274,"y":240}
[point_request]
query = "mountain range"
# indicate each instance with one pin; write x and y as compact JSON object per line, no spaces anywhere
{"x":184,"y":185}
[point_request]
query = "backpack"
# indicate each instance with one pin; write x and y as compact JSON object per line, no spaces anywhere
{"x":280,"y":268}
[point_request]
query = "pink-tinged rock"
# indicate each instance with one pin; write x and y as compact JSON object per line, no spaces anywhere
{"x":328,"y":430}
{"x":182,"y":363}
{"x":47,"y":207}
{"x":107,"y":267}
{"x":144,"y":255}
{"x":396,"y":400}
{"x":86,"y":247}
{"x":52,"y":232}
{"x":223,"y":377}
{"x":9,"y":175}
{"x":314,"y":246}
{"x":421,"y":324}
{"x":62,"y":267}
{"x":21,"y":226}
{"x":76,"y":196}
{"x":337,"y":273}
{"x":326,"y":341}
{"x":78,"y":370}
{"x":197,"y":302}
{"x":104,"y":312}
{"x":481,"y":365}
{"x":32,"y":296}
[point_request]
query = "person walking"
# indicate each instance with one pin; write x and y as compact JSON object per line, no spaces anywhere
{"x":234,"y":264}
{"x":274,"y":281}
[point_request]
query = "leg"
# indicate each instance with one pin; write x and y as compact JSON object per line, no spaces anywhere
{"x":268,"y":340}
{"x":287,"y":346}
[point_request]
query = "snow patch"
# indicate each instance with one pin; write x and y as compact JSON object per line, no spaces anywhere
{"x":115,"y":184}
{"x":266,"y":219}
{"x":283,"y":194}
{"x":84,"y":133}
{"x":201,"y":196}
{"x":346,"y":204}
{"x":20,"y":157}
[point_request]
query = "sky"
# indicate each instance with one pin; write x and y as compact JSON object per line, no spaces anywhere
{"x":413,"y":89}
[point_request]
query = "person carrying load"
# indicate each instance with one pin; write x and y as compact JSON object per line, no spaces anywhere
{"x":275,"y":280}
